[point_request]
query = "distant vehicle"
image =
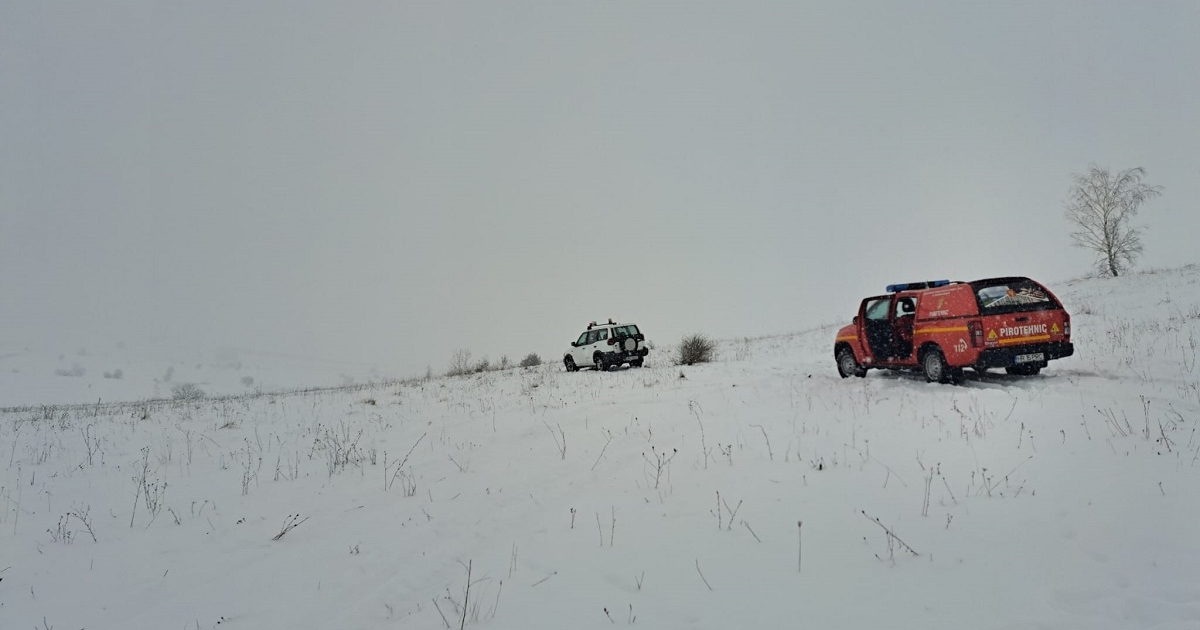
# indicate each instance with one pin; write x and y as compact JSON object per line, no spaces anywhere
{"x":940,"y":327}
{"x":602,"y":346}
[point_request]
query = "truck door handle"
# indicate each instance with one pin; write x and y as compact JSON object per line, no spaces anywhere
{"x":1022,"y":319}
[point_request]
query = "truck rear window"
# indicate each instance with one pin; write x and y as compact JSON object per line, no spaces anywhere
{"x":1012,"y":295}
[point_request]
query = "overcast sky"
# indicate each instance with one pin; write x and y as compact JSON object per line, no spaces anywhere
{"x":389,"y":181}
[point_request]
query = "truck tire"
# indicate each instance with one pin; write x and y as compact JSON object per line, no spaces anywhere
{"x":847,"y":365}
{"x":933,"y":364}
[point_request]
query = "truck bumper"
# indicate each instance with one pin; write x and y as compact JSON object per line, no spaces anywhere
{"x":617,"y":358}
{"x":1025,"y":354}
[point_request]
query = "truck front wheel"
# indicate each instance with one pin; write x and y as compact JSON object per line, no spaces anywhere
{"x":848,"y":365}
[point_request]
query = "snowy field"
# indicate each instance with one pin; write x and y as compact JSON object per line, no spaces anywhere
{"x":41,"y":375}
{"x":661,"y":497}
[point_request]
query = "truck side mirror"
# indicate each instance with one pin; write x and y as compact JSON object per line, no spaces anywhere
{"x":855,"y":322}
{"x":572,"y":344}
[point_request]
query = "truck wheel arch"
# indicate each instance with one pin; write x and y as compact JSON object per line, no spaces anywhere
{"x":926,"y":347}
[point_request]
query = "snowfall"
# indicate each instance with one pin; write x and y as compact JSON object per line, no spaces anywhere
{"x":757,"y":491}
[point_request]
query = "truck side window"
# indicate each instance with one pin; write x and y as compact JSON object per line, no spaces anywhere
{"x":877,"y":309}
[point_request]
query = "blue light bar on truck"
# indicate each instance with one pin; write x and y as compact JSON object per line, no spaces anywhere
{"x":912,"y":286}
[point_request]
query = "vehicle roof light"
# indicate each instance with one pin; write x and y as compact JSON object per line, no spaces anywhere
{"x":913,"y":286}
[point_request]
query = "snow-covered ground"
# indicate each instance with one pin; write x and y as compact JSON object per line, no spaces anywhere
{"x":663,"y":497}
{"x":115,"y":371}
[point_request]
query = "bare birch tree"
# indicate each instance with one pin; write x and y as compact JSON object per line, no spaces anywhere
{"x":1102,"y":207}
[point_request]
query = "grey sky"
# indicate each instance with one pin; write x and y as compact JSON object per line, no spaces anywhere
{"x":388,"y":181}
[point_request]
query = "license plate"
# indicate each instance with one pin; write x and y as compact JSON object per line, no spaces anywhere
{"x":1030,"y":358}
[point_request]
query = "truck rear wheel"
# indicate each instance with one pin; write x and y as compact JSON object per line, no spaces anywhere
{"x":933,"y":364}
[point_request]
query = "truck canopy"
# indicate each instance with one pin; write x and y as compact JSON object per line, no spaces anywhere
{"x":997,"y":296}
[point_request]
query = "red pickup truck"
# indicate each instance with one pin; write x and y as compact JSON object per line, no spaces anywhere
{"x":940,"y":327}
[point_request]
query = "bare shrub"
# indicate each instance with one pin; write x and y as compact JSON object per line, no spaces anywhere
{"x":186,"y":391}
{"x":460,"y":363}
{"x":531,"y":360}
{"x":341,"y":446}
{"x":696,"y":348}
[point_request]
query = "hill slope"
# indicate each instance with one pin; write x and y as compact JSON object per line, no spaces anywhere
{"x":659,"y":497}
{"x":120,"y":371}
